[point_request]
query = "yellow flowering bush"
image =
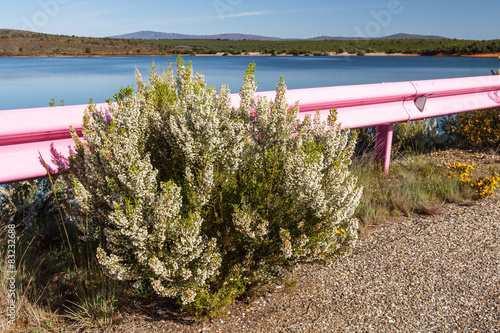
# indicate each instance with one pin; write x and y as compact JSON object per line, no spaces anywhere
{"x":483,"y":186}
{"x":463,"y":171}
{"x":477,"y":128}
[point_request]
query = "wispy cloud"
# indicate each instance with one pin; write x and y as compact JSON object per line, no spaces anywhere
{"x":242,"y":14}
{"x":329,"y":9}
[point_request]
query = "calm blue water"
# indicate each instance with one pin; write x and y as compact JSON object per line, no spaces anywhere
{"x":33,"y":82}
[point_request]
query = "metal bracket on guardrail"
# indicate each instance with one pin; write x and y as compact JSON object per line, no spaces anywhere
{"x":420,"y":102}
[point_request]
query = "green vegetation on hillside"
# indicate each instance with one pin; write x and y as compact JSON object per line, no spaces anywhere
{"x":22,"y":43}
{"x":323,"y":47}
{"x":29,"y":44}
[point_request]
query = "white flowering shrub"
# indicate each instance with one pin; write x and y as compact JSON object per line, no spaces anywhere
{"x":201,"y":199}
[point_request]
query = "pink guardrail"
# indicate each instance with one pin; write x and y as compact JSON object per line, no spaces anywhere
{"x":26,"y":133}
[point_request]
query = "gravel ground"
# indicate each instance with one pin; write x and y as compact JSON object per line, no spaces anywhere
{"x":436,"y":273}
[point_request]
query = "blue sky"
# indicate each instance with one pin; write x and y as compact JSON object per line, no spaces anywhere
{"x":462,"y":19}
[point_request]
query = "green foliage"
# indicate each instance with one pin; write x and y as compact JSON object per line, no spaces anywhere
{"x":121,"y":94}
{"x":420,"y":136}
{"x":415,"y":137}
{"x":30,"y":204}
{"x":53,"y":103}
{"x":202,"y":200}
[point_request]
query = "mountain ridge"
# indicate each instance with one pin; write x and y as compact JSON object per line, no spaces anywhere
{"x":169,"y":35}
{"x":239,"y":36}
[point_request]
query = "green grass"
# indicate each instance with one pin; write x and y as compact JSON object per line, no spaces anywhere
{"x":31,"y":313}
{"x":412,"y":186}
{"x":55,"y":287}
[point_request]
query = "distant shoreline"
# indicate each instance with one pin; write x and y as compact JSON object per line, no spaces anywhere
{"x":252,"y":54}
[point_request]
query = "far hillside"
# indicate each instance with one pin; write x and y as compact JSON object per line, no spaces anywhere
{"x":14,"y":43}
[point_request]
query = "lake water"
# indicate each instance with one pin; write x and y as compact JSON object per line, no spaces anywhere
{"x":33,"y":82}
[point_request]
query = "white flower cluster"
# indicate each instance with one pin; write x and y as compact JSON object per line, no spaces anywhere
{"x":147,"y":234}
{"x":309,"y":194}
{"x":186,"y":188}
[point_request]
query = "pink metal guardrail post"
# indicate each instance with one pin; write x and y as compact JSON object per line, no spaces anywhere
{"x":24,"y":134}
{"x":383,"y":145}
